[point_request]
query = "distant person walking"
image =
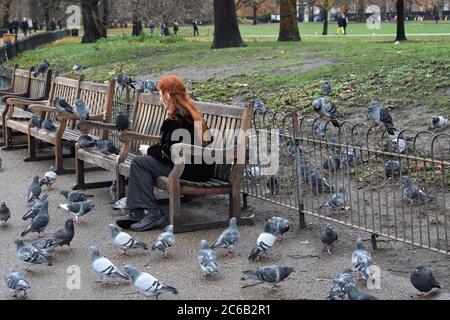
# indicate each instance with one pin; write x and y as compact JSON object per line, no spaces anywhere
{"x":340,"y":29}
{"x":137,"y":26}
{"x":35,"y":25}
{"x":175,"y":27}
{"x":53,"y":25}
{"x":152,"y":28}
{"x":30,"y":25}
{"x":195,"y":26}
{"x":24,"y":26}
{"x":345,"y":23}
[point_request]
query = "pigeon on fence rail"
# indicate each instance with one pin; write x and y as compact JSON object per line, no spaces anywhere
{"x":337,"y":287}
{"x":207,"y":259}
{"x":382,"y":118}
{"x":327,"y":110}
{"x":328,"y":237}
{"x":397,"y":142}
{"x":259,"y":106}
{"x":125,"y":81}
{"x":124,"y":241}
{"x":165,"y":241}
{"x":104,"y":267}
{"x":41,"y":68}
{"x":229,"y":238}
{"x":16,"y":282}
{"x":414,"y":194}
{"x":423,"y":280}
{"x":272,"y":274}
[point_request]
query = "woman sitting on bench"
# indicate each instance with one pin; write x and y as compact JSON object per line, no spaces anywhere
{"x":156,"y":159}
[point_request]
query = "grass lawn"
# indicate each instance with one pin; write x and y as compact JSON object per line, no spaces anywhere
{"x":415,"y":73}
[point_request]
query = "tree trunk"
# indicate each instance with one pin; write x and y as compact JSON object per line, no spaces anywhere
{"x":226,"y":28}
{"x":6,"y":14}
{"x":90,"y":12}
{"x":325,"y":22}
{"x":401,"y":36}
{"x":288,"y":24}
{"x":105,"y":18}
{"x":255,"y":13}
{"x":361,"y":14}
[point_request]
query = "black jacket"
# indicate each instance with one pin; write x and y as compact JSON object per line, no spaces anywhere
{"x":161,"y":151}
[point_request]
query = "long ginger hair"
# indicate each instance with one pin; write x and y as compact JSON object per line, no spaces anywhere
{"x":175,"y":97}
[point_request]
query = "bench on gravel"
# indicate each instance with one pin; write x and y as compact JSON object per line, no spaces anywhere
{"x":98,"y":97}
{"x":146,"y":121}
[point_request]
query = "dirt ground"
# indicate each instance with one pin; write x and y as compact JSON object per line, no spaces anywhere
{"x":303,"y":250}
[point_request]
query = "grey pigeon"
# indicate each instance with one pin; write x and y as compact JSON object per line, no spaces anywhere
{"x":165,"y":241}
{"x":49,"y":126}
{"x":73,"y":196}
{"x":45,"y":245}
{"x":36,"y":121}
{"x":113,"y":191}
{"x":397,"y":143}
{"x":81,"y":110}
{"x":264,"y":243}
{"x":125,"y":81}
{"x":147,"y":284}
{"x":414,"y":194}
{"x":320,"y":130}
{"x":207,"y":259}
{"x":362,"y":261}
{"x":332,"y":164}
{"x":38,"y":224}
{"x":78,"y":209}
{"x":34,"y":190}
{"x":327,"y":110}
{"x":104,"y":267}
{"x":336,"y":203}
{"x":77,"y":67}
{"x":380,"y":116}
{"x":30,"y":255}
{"x":122,"y":121}
{"x":124,"y":241}
{"x":62,"y":106}
{"x":5,"y":214}
{"x":328,"y":237}
{"x":42,"y":203}
{"x":148,"y":86}
{"x":85,"y":142}
{"x":326,"y":89}
{"x":279,"y":226}
{"x":106,"y":147}
{"x":392,"y":168}
{"x":317,"y":182}
{"x":259,"y":106}
{"x":351,"y":157}
{"x":354,"y":293}
{"x":65,"y":235}
{"x":272,"y":275}
{"x":41,"y":68}
{"x":423,"y":280}
{"x":439,"y":122}
{"x":337,"y":290}
{"x":16,"y":282}
{"x":49,"y":178}
{"x":229,"y":238}
{"x":121,"y":205}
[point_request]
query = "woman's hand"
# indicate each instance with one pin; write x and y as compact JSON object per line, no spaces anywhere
{"x":143,"y":149}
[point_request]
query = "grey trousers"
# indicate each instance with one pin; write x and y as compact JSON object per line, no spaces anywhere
{"x":143,"y":172}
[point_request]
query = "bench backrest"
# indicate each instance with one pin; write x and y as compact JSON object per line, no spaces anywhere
{"x":20,"y":79}
{"x":40,"y":86}
{"x":65,"y":88}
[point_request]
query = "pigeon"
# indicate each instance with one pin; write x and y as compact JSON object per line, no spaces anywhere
{"x":320,"y":130}
{"x":392,"y":168}
{"x":16,"y":282}
{"x":380,"y":116}
{"x":49,"y":177}
{"x":336,"y":203}
{"x":34,"y":190}
{"x":270,"y":274}
{"x":122,"y":121}
{"x":30,"y":255}
{"x":328,"y":237}
{"x":5,"y":214}
{"x":337,"y":290}
{"x":397,"y":143}
{"x":39,"y":205}
{"x":148,"y":86}
{"x":41,"y":68}
{"x":113,"y":191}
{"x":77,"y":67}
{"x":259,"y":106}
{"x":121,"y":205}
{"x":78,"y":209}
{"x":327,"y":110}
{"x":279,"y":226}
{"x":264,"y":243}
{"x":45,"y":245}
{"x":293,"y":148}
{"x":354,"y":293}
{"x":104,"y":267}
{"x":106,"y":147}
{"x":229,"y":238}
{"x":423,"y":280}
{"x":207,"y":259}
{"x":351,"y":157}
{"x":362,"y":260}
{"x":38,"y":224}
{"x":73,"y":196}
{"x":125,"y":81}
{"x":81,"y":110}
{"x":49,"y":126}
{"x":62,"y":106}
{"x":65,"y":235}
{"x":439,"y":122}
{"x":332,"y":164}
{"x":147,"y":284}
{"x":36,"y":121}
{"x":124,"y":241}
{"x":165,"y":241}
{"x":85,"y":142}
{"x":317,"y":182}
{"x":413,"y":194}
{"x":326,"y":89}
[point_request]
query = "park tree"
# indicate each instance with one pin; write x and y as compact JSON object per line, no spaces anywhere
{"x":400,"y":6}
{"x":325,"y":6}
{"x":361,"y":10}
{"x":94,"y":24}
{"x":288,"y":21}
{"x":226,"y":28}
{"x":253,"y":4}
{"x":5,"y":11}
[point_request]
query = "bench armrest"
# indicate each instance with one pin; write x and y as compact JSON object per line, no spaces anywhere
{"x":13,"y":95}
{"x":6,"y":91}
{"x":35,"y":108}
{"x":129,"y":136}
{"x":68,"y":116}
{"x":25,"y":102}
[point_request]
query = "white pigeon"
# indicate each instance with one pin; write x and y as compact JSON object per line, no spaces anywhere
{"x":104,"y":267}
{"x":165,"y":241}
{"x":264,"y":243}
{"x":49,"y":178}
{"x":439,"y":122}
{"x":124,"y":241}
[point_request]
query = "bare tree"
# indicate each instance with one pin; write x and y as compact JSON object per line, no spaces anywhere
{"x":226,"y":28}
{"x":288,"y":21}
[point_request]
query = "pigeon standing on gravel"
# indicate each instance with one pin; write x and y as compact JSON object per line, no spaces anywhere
{"x":49,"y":126}
{"x":354,"y":293}
{"x":336,"y":203}
{"x":16,"y":282}
{"x":106,"y":147}
{"x":49,"y":177}
{"x":423,"y":280}
{"x":41,"y":68}
{"x":392,"y":168}
{"x":337,"y":287}
{"x":5,"y":214}
{"x":121,"y":205}
{"x":73,"y":196}
{"x":122,"y":121}
{"x":62,"y":106}
{"x":439,"y":122}
{"x":85,"y":142}
{"x":207,"y":259}
{"x":165,"y":241}
{"x":34,"y":190}
{"x":30,"y":255}
{"x":264,"y":243}
{"x":147,"y":284}
{"x":104,"y":267}
{"x":328,"y":237}
{"x":380,"y":116}
{"x":362,"y":261}
{"x":270,"y":274}
{"x":45,"y":245}
{"x":41,"y":204}
{"x":81,"y":110}
{"x":78,"y":209}
{"x":414,"y":194}
{"x":279,"y":226}
{"x":66,"y":234}
{"x":38,"y":224}
{"x":229,"y":238}
{"x":124,"y":241}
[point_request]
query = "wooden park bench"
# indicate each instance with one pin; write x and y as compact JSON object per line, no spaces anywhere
{"x":98,"y":97}
{"x":146,"y":121}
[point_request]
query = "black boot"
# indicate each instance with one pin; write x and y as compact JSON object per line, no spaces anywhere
{"x":151,"y":220}
{"x":133,"y":217}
